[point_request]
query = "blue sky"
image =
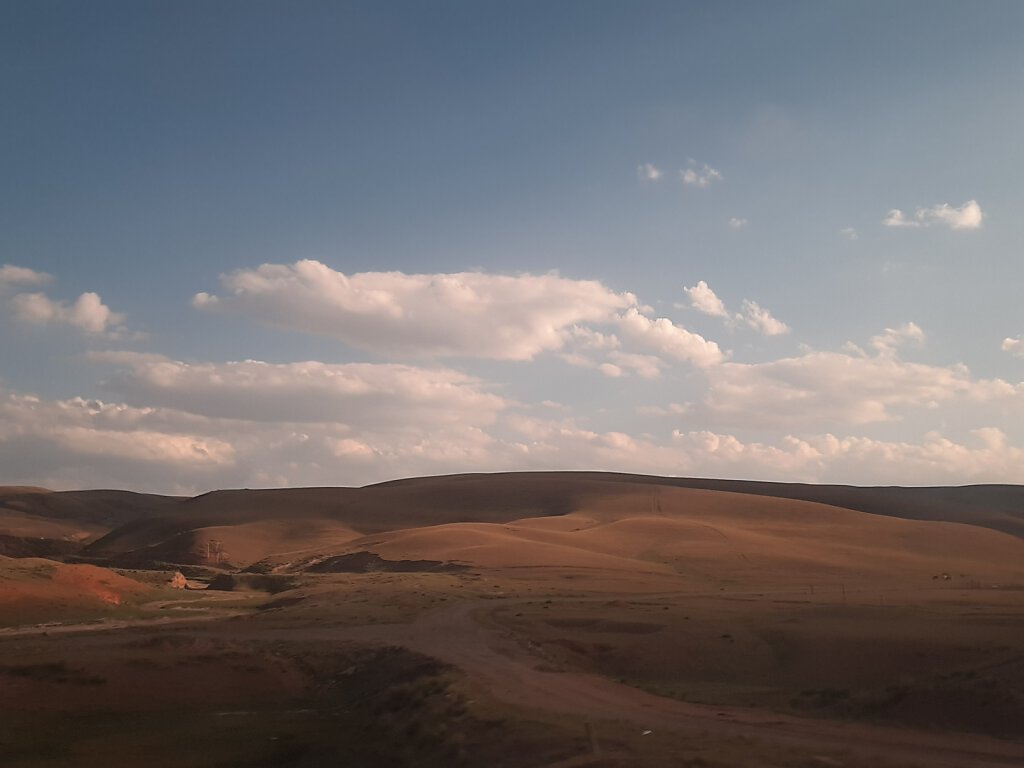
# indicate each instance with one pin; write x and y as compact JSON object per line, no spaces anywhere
{"x":753,"y":240}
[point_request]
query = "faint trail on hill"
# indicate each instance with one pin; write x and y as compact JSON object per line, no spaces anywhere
{"x":495,"y":659}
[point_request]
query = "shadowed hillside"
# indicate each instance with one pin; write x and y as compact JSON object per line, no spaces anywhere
{"x":100,"y":509}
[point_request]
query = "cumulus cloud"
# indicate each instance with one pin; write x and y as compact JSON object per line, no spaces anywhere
{"x":892,"y":339}
{"x":166,"y":424}
{"x":825,"y":458}
{"x":366,"y":394}
{"x":737,"y":223}
{"x":896,"y":218}
{"x":850,"y":233}
{"x":854,"y":387}
{"x":468,"y":314}
{"x":87,"y":313}
{"x":82,"y":442}
{"x":1014,"y":346}
{"x":86,"y":443}
{"x":821,"y":388}
{"x":705,"y":300}
{"x":761,"y":320}
{"x":14,"y":275}
{"x":648,"y":172}
{"x":703,"y":177}
{"x":967,"y":216}
{"x":644,"y":366}
{"x":665,"y":338}
{"x":251,"y":423}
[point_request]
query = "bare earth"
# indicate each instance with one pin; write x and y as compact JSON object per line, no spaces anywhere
{"x":537,"y":620}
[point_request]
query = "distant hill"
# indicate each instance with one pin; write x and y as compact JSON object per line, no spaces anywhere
{"x":1000,"y":507}
{"x":104,"y":508}
{"x":236,"y":528}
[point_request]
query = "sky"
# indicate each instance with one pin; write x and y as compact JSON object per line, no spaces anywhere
{"x":253,"y":244}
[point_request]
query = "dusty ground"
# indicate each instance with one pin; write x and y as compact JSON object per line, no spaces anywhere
{"x":673,"y":627}
{"x":530,"y":674}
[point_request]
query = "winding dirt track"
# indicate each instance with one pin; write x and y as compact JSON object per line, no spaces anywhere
{"x":496,"y":660}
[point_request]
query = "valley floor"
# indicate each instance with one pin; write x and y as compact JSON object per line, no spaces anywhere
{"x":524,"y":667}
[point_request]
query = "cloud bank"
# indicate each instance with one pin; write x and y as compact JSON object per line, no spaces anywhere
{"x":90,"y":443}
{"x":172,"y":425}
{"x":460,"y":315}
{"x":466,"y":314}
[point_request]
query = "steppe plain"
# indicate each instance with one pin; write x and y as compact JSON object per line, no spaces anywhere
{"x":524,"y":619}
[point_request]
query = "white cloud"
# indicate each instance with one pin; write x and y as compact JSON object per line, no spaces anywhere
{"x":822,"y":389}
{"x":859,"y":460}
{"x":891,"y":339}
{"x":468,"y":314}
{"x":644,"y":366}
{"x":737,"y":223}
{"x":705,"y":300}
{"x":365,"y":394}
{"x":895,"y":218}
{"x":823,"y":458}
{"x":88,"y":313}
{"x":700,"y":178}
{"x":850,"y":233}
{"x":280,"y":424}
{"x":967,"y":216}
{"x":664,"y":338}
{"x":589,"y":339}
{"x":761,"y":320}
{"x":144,"y":446}
{"x":13,"y":275}
{"x":471,"y":315}
{"x":604,"y":352}
{"x":1014,"y":346}
{"x":610,"y":370}
{"x":648,"y":172}
{"x":87,"y":443}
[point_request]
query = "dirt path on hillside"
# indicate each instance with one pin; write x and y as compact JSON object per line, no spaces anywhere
{"x":508,"y":669}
